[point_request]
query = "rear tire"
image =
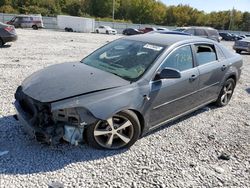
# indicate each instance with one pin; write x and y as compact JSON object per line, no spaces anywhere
{"x":107,"y":32}
{"x":34,"y":27}
{"x":120,"y":131}
{"x":226,"y":93}
{"x":97,"y":31}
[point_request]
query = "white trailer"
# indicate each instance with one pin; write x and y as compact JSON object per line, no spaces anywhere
{"x":75,"y":24}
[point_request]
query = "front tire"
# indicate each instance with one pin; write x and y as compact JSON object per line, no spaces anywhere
{"x":1,"y":42}
{"x":120,"y":131}
{"x":226,"y":92}
{"x":238,"y":51}
{"x":34,"y":27}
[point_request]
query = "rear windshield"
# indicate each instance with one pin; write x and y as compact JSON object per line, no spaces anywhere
{"x":212,"y":32}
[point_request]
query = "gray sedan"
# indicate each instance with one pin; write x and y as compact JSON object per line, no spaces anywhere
{"x":126,"y":88}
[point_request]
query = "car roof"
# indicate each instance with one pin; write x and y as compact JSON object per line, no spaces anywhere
{"x":38,"y":16}
{"x":247,"y":39}
{"x":197,"y":27}
{"x":170,"y":32}
{"x":167,"y":40}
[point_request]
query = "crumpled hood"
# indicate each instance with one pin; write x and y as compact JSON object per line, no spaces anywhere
{"x":66,"y":80}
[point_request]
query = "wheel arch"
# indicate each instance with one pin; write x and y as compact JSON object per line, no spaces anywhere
{"x":140,"y":118}
{"x":232,"y":76}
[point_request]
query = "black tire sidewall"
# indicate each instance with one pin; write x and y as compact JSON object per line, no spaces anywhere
{"x":218,"y":102}
{"x":34,"y":27}
{"x":1,"y":43}
{"x":89,"y":132}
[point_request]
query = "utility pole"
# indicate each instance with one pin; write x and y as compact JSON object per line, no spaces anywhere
{"x":113,"y":12}
{"x":231,"y":23}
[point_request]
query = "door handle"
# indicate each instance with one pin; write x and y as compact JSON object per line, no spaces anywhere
{"x":192,"y":78}
{"x":223,"y":67}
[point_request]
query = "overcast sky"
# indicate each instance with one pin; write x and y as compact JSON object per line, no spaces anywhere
{"x":213,"y":5}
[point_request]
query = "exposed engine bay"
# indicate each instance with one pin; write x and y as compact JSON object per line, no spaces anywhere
{"x":49,"y":127}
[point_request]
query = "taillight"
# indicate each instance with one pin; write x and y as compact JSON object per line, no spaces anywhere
{"x":9,"y":29}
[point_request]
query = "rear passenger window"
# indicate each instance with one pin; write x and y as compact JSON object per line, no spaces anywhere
{"x":220,"y":54}
{"x":200,"y":32}
{"x":205,"y":54}
{"x":181,"y":59}
{"x":190,"y":31}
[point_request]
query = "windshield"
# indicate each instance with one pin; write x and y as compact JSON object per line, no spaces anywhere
{"x":128,"y":59}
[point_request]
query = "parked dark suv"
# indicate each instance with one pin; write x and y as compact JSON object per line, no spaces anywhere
{"x":206,"y":32}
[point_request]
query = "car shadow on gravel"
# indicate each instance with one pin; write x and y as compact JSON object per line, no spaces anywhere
{"x":5,"y":46}
{"x":27,"y":156}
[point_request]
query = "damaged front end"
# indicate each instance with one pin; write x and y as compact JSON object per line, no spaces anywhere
{"x":46,"y":125}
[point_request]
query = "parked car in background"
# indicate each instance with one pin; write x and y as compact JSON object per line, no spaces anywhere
{"x":205,"y":32}
{"x":162,"y":29}
{"x":242,"y":45}
{"x":131,"y":31}
{"x":7,"y":34}
{"x":237,"y":37}
{"x":230,"y":36}
{"x":227,"y":36}
{"x":105,"y":29}
{"x":27,"y":21}
{"x":126,"y":88}
{"x":147,"y":29}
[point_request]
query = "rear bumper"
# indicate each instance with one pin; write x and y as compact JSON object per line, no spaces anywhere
{"x":10,"y":38}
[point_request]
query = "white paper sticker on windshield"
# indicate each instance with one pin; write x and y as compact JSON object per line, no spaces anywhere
{"x":152,"y":47}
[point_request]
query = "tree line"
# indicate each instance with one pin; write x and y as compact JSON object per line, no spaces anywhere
{"x":136,"y":11}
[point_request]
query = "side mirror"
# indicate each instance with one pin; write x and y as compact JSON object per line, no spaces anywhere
{"x":168,"y":73}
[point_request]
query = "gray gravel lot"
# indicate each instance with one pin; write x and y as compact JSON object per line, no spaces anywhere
{"x":184,"y":153}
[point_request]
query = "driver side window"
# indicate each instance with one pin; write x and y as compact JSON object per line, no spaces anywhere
{"x":180,"y":59}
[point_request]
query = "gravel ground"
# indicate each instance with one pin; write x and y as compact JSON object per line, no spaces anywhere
{"x":209,"y":148}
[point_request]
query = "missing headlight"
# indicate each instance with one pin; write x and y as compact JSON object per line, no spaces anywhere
{"x":69,"y":116}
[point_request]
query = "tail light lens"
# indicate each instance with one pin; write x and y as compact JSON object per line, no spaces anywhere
{"x":10,"y":29}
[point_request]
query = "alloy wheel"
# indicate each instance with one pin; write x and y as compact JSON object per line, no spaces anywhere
{"x":227,"y":93}
{"x":114,"y":133}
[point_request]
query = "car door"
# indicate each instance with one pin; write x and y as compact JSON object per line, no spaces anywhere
{"x":103,"y":29}
{"x":212,"y":68}
{"x":172,"y":97}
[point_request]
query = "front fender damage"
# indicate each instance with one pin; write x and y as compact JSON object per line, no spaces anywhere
{"x":48,"y":125}
{"x":67,"y":119}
